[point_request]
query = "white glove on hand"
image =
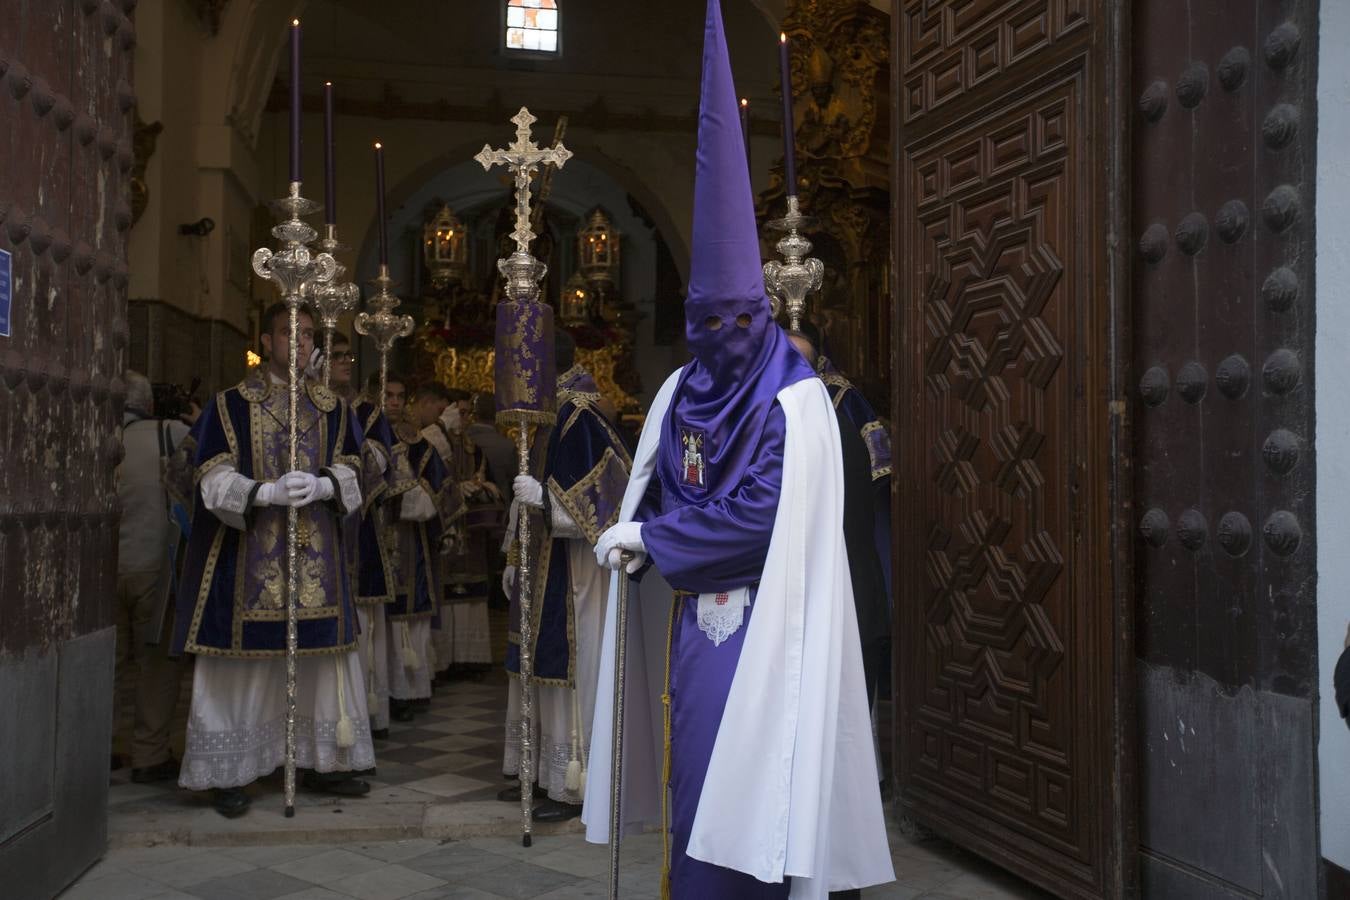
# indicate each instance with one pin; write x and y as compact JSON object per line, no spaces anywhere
{"x":509,"y":580}
{"x":314,"y":370}
{"x":302,"y":489}
{"x":269,"y":495}
{"x":451,"y":419}
{"x":529,"y":491}
{"x":612,"y":544}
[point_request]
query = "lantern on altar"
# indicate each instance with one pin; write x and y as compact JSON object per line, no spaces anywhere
{"x":444,"y":248}
{"x":575,"y":302}
{"x":598,"y":250}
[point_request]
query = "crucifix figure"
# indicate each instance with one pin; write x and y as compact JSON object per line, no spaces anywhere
{"x":523,"y":157}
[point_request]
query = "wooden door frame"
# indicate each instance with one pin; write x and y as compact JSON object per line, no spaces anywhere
{"x":1113,"y":496}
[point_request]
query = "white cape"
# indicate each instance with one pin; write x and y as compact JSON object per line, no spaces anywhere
{"x":792,"y":787}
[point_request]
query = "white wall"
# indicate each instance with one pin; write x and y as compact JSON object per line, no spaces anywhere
{"x":1333,"y":416}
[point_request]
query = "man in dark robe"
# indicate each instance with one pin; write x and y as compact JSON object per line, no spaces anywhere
{"x":576,"y":497}
{"x":864,"y":565}
{"x":232,"y":606}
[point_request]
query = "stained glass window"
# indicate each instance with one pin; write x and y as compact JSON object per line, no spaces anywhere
{"x":532,"y":25}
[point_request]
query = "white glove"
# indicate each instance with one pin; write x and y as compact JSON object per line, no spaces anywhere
{"x":612,"y":544}
{"x":314,"y":370}
{"x":302,"y":489}
{"x":270,"y":495}
{"x":451,"y":419}
{"x":528,"y":490}
{"x":509,"y":580}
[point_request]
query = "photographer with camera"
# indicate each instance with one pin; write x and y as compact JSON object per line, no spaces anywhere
{"x":146,"y":549}
{"x":172,"y":401}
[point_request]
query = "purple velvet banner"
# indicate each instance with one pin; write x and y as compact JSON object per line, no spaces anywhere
{"x":525,"y":374}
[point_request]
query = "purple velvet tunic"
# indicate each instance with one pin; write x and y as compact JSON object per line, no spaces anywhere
{"x":715,"y":546}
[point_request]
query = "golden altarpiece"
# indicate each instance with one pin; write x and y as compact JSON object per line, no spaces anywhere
{"x":455,"y":343}
{"x":840,"y":69}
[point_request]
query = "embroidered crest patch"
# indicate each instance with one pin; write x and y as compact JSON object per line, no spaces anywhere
{"x":694,"y":470}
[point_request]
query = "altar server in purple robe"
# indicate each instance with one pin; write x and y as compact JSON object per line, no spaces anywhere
{"x":385,"y":477}
{"x":232,"y":606}
{"x":736,"y":499}
{"x":575,"y":498}
{"x":424,"y":511}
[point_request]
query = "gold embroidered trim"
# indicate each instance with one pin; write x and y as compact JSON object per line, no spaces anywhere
{"x":614,"y":440}
{"x":198,"y":650}
{"x":508,"y":417}
{"x":579,"y":506}
{"x":226,"y":458}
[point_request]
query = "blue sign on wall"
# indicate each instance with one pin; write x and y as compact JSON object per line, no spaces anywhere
{"x":4,"y":292}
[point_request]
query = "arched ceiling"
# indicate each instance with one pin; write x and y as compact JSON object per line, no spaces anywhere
{"x":408,"y":41}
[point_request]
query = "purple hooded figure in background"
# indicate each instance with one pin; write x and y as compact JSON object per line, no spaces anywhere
{"x":735,"y":501}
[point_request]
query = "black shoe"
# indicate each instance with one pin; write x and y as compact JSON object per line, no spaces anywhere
{"x":401,"y":711}
{"x":553,"y":811}
{"x":117,"y":761}
{"x":231,"y":802}
{"x":159,"y":772}
{"x":364,"y":773}
{"x":512,"y":794}
{"x":341,"y":784}
{"x":421,"y":703}
{"x":379,"y":734}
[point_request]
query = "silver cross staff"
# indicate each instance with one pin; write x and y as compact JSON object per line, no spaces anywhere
{"x":523,"y":273}
{"x":523,"y":157}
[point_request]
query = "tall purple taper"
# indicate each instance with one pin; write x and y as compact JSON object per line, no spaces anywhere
{"x":295,"y":100}
{"x":329,"y":163}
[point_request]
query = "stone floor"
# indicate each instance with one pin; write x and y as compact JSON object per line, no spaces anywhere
{"x":436,"y":777}
{"x":430,"y":828}
{"x":485,"y":868}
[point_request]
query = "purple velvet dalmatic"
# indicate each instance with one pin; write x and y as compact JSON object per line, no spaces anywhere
{"x":709,"y":513}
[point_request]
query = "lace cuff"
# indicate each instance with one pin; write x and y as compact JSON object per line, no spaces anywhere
{"x":721,"y":615}
{"x":348,"y":493}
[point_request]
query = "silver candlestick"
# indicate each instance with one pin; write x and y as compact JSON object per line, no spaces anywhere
{"x":796,"y":276}
{"x":383,"y":325}
{"x":297,"y":273}
{"x":333,"y":298}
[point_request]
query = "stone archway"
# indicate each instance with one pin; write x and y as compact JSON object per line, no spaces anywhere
{"x":583,"y":148}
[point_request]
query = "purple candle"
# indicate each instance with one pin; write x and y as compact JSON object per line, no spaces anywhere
{"x":789,"y":131}
{"x":295,"y":100}
{"x":379,"y":203}
{"x":745,"y":130}
{"x":329,"y":166}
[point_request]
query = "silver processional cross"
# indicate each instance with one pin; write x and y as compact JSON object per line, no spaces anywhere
{"x":523,"y":157}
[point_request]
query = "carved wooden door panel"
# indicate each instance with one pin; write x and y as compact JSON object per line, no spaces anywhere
{"x":65,"y":158}
{"x":1013,"y":557}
